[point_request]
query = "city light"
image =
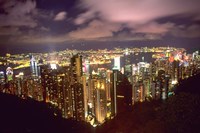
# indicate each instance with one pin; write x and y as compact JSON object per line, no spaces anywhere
{"x":87,"y":87}
{"x":53,"y":66}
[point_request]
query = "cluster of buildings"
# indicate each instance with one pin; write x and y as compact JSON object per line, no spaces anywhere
{"x":96,"y":94}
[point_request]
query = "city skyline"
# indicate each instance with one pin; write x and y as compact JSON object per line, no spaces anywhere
{"x":36,"y":25}
{"x":95,"y":86}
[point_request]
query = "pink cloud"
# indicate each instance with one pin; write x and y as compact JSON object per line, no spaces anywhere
{"x":82,"y":18}
{"x":192,"y":31}
{"x":154,"y":28}
{"x":18,"y":13}
{"x":95,"y":29}
{"x":140,"y":16}
{"x":60,"y":16}
{"x":139,"y":11}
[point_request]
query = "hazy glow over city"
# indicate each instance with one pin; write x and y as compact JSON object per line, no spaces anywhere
{"x":90,"y":24}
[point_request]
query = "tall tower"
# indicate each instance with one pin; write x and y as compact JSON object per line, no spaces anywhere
{"x":77,"y":88}
{"x":97,"y":98}
{"x":2,"y":78}
{"x":9,"y":81}
{"x":100,"y":100}
{"x":113,"y":92}
{"x":175,"y":71}
{"x":117,"y":63}
{"x":76,"y":63}
{"x":33,"y":66}
{"x":127,"y":63}
{"x":57,"y":89}
{"x":9,"y":74}
{"x":48,"y":80}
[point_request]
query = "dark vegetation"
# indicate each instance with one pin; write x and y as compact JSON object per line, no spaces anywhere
{"x":29,"y":116}
{"x":179,"y":114}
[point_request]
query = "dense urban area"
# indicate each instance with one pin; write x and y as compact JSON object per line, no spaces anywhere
{"x":94,"y":86}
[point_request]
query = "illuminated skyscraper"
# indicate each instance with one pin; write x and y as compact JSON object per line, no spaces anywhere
{"x":19,"y":86}
{"x":147,"y":90}
{"x":175,"y":71}
{"x":135,"y":79}
{"x":77,"y":88}
{"x":46,"y":81}
{"x":34,"y":66}
{"x":140,"y":92}
{"x":77,"y":68}
{"x":113,"y":92}
{"x":9,"y":74}
{"x":117,"y":65}
{"x":161,"y":80}
{"x":97,"y":99}
{"x":10,"y":88}
{"x":100,"y":101}
{"x":2,"y":81}
{"x":127,"y":64}
{"x":166,"y":87}
{"x":153,"y":90}
{"x":57,"y":89}
{"x":2,"y":77}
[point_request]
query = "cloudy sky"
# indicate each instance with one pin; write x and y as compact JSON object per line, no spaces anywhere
{"x":55,"y":22}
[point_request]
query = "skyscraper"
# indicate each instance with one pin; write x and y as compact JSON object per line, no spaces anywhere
{"x":113,"y":93}
{"x":77,"y":88}
{"x":57,"y":89}
{"x":97,"y":99}
{"x":34,"y":66}
{"x":127,"y":64}
{"x":2,"y":78}
{"x":9,"y":74}
{"x":2,"y":81}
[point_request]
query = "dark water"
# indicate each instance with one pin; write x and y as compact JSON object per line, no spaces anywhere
{"x":134,"y":59}
{"x":36,"y":48}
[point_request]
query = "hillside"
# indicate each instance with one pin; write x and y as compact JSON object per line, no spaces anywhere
{"x":28,"y":116}
{"x":178,"y":114}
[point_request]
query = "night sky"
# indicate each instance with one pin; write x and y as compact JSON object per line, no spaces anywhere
{"x":39,"y":25}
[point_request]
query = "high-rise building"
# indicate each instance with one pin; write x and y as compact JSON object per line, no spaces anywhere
{"x":117,"y":65}
{"x":77,"y":68}
{"x":34,"y":66}
{"x":57,"y":88}
{"x":100,"y":101}
{"x":166,"y":87}
{"x":46,"y":81}
{"x":175,"y":71}
{"x":153,"y":90}
{"x":85,"y":91}
{"x":147,"y":86}
{"x":127,"y":64}
{"x":2,"y":77}
{"x":77,"y":88}
{"x":21,"y":85}
{"x":2,"y":81}
{"x":140,"y":92}
{"x":161,"y":80}
{"x":9,"y":86}
{"x":97,"y":99}
{"x":113,"y":92}
{"x":9,"y":74}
